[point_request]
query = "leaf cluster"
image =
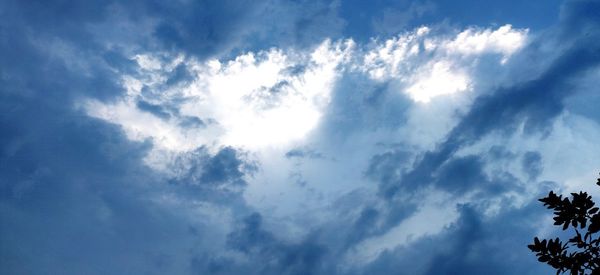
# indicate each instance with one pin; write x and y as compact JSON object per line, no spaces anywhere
{"x":581,"y":253}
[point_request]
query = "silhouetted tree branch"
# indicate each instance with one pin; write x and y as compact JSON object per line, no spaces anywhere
{"x":581,"y":253}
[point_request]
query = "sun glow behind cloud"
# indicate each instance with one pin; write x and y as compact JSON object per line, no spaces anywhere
{"x":255,"y":100}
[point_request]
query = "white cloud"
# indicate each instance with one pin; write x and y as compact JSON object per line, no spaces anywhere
{"x":255,"y":100}
{"x":276,"y":97}
{"x":438,"y":78}
{"x":431,"y":65}
{"x":505,"y":40}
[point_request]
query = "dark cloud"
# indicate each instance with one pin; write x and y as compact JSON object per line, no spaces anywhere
{"x":75,"y":194}
{"x":205,"y":28}
{"x":374,"y":222}
{"x":116,"y":59}
{"x":387,"y":168}
{"x":156,"y":110}
{"x":364,"y":224}
{"x":303,"y":153}
{"x":179,"y":74}
{"x":470,"y":245}
{"x":376,"y":106}
{"x":461,"y":174}
{"x":225,"y":166}
{"x":475,"y":244}
{"x":71,"y":193}
{"x":192,"y":122}
{"x":217,"y":178}
{"x":497,"y":152}
{"x":532,"y":164}
{"x":274,"y":256}
{"x":535,"y":104}
{"x":199,"y":28}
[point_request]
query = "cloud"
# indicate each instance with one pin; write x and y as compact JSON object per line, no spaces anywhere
{"x":397,"y":19}
{"x":509,"y":106}
{"x":528,"y":107}
{"x":74,"y":189}
{"x":226,"y":138}
{"x":267,"y":103}
{"x":241,"y":95}
{"x":255,"y":100}
{"x":448,"y":61}
{"x":251,"y":239}
{"x":532,"y":164}
{"x":464,"y":247}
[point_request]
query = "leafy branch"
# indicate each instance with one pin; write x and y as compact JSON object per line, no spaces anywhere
{"x":581,"y":253}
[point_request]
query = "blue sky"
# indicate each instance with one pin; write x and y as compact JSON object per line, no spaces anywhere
{"x":291,"y":137}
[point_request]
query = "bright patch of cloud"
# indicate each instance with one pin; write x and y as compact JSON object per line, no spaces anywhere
{"x":431,"y":65}
{"x":438,"y":79}
{"x":272,"y":98}
{"x":505,"y":40}
{"x":256,"y":100}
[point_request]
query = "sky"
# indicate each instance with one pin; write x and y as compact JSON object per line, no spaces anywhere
{"x":292,"y":136}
